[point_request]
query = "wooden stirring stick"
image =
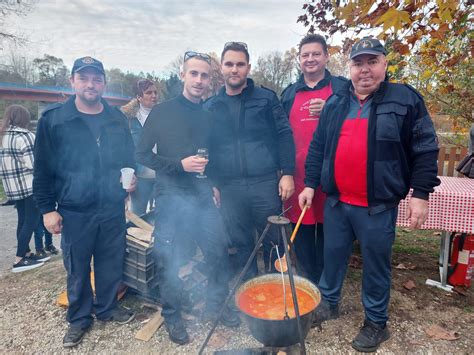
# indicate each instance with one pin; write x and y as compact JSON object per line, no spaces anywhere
{"x":284,"y":265}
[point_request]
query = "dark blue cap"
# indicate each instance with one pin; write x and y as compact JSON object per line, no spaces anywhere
{"x":367,"y":45}
{"x":88,"y":62}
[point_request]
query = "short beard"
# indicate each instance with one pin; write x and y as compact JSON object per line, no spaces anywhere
{"x":238,"y":85}
{"x":90,"y":102}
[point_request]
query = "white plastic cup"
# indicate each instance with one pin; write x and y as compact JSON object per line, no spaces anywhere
{"x":127,"y":177}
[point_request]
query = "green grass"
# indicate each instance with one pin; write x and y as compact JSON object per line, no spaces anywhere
{"x":354,"y":274}
{"x":413,"y":242}
{"x":469,"y":309}
{"x":2,"y":193}
{"x":416,"y":242}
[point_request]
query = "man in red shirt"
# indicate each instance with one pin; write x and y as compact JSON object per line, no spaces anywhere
{"x":374,"y":142}
{"x":303,"y":102}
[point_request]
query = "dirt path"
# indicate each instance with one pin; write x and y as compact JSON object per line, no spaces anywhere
{"x":31,"y":321}
{"x":8,"y":222}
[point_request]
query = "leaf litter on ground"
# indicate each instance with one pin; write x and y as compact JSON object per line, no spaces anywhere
{"x":437,"y":332}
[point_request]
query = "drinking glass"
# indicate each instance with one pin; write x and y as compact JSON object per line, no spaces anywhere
{"x":202,"y":153}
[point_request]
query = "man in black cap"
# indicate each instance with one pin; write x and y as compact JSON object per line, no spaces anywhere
{"x":375,"y":141}
{"x":80,"y":148}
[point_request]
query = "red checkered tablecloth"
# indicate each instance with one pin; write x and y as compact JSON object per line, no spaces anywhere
{"x":451,"y":206}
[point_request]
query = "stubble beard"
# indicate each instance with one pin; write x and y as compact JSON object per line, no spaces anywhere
{"x":89,"y":101}
{"x":238,"y":85}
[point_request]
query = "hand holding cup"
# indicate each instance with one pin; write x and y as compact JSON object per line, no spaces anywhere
{"x":316,"y":106}
{"x":127,"y":177}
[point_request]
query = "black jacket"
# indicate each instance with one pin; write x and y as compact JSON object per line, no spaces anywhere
{"x":74,"y":170}
{"x":288,"y":95}
{"x":402,"y":146}
{"x":260,"y":143}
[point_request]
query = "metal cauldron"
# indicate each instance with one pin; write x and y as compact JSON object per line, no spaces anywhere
{"x":279,"y":333}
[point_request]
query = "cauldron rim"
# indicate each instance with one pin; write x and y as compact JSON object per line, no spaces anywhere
{"x":300,"y":281}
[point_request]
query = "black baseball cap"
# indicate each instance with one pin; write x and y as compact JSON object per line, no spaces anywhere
{"x":367,"y":45}
{"x":88,"y":62}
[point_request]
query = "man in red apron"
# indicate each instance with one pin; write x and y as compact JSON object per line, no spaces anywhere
{"x":303,"y":102}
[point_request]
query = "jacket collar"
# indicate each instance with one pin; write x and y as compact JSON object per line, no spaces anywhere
{"x":301,"y":84}
{"x":71,"y":111}
{"x":246,"y":92}
{"x":378,"y":95}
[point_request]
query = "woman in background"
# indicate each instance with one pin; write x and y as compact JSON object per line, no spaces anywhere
{"x":16,"y":171}
{"x":137,"y":111}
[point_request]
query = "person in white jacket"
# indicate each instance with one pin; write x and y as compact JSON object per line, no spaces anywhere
{"x":16,"y":172}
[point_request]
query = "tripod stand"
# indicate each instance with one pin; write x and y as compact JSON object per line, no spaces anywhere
{"x":283,"y":224}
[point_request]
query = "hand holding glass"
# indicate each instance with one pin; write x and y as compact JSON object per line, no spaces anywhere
{"x":202,"y":153}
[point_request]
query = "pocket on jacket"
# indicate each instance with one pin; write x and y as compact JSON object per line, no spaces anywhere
{"x":115,"y":190}
{"x":78,"y":189}
{"x":388,"y":180}
{"x":260,"y":160}
{"x":389,"y":121}
{"x":255,"y":115}
{"x":223,"y":161}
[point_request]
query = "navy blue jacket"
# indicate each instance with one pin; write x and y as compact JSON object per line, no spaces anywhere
{"x":260,"y":143}
{"x":74,"y":170}
{"x":288,"y":95}
{"x":402,"y":146}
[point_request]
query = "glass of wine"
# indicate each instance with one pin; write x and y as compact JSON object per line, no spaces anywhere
{"x":202,"y":153}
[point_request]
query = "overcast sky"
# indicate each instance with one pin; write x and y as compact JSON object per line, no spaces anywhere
{"x":146,"y":35}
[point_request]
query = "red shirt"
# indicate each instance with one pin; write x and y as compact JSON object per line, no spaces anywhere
{"x":303,"y":126}
{"x":350,"y":165}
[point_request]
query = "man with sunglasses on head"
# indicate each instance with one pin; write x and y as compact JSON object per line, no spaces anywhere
{"x":253,"y":156}
{"x":185,"y":206}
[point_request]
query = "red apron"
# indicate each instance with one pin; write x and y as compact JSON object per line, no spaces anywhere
{"x":303,"y":126}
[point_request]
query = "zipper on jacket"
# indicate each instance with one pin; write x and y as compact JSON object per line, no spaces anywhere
{"x":370,"y":156}
{"x":99,"y":148}
{"x":236,"y":124}
{"x":239,"y":143}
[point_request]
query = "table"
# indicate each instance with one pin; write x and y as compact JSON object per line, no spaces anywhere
{"x":451,"y":209}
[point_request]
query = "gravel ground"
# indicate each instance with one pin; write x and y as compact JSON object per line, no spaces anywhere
{"x":8,"y":220}
{"x":33,"y":323}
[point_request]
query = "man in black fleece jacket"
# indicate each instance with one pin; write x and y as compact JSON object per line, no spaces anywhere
{"x":374,"y":142}
{"x":184,"y":203}
{"x":254,"y":156}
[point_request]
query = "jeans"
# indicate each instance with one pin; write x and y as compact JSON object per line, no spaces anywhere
{"x":343,"y":224}
{"x":41,"y":231}
{"x":28,"y":219}
{"x":182,"y":219}
{"x":86,"y":236}
{"x":309,"y":249}
{"x":246,"y":205}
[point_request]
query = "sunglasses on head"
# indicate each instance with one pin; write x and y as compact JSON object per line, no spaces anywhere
{"x":232,"y":44}
{"x":190,"y":54}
